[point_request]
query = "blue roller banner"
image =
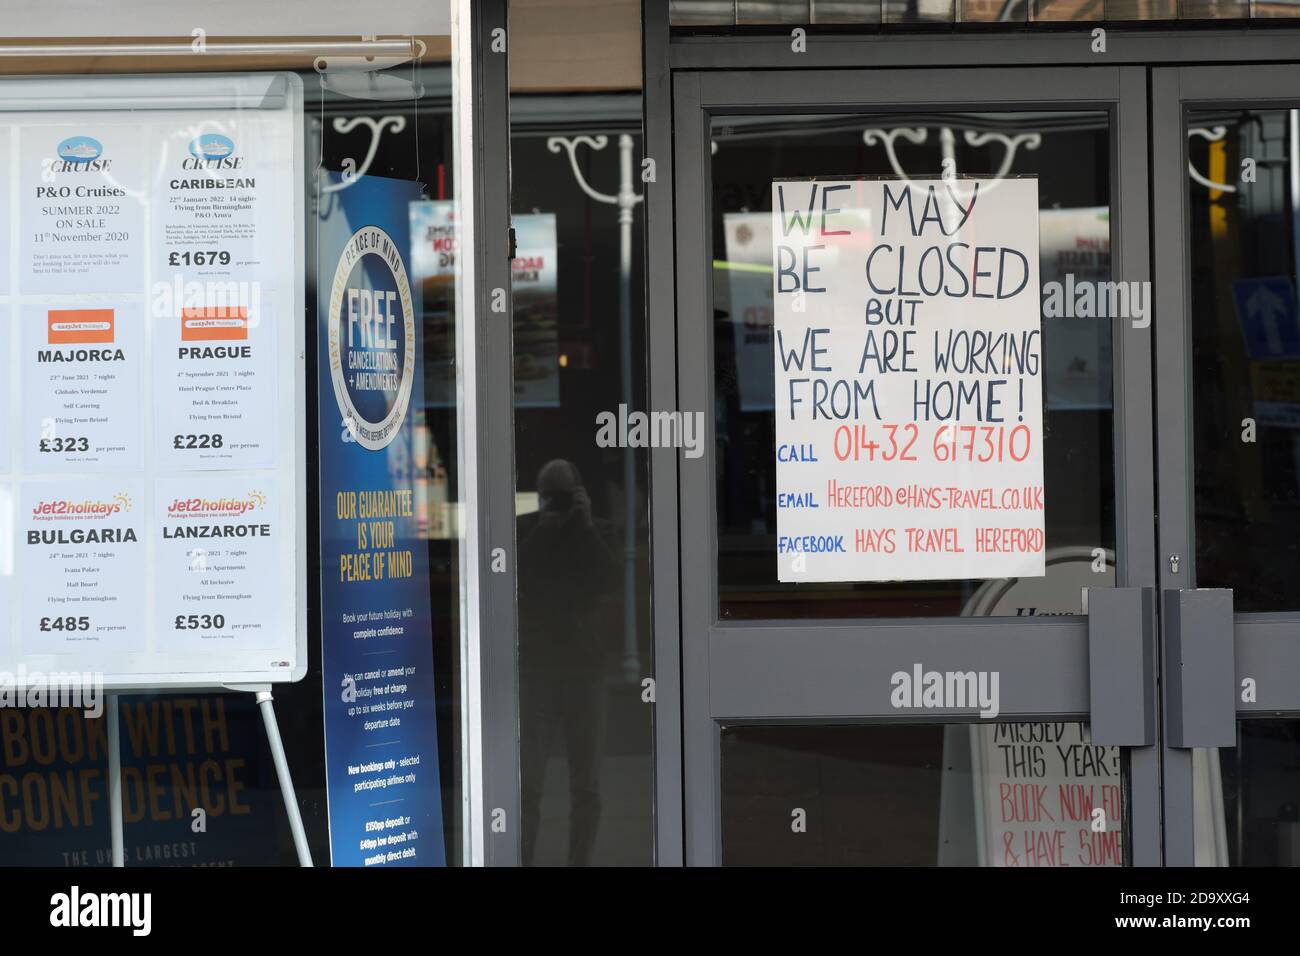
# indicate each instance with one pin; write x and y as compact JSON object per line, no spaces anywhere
{"x":381,"y":759}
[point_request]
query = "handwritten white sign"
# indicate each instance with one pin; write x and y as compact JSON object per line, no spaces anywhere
{"x":908,"y":357}
{"x":1049,"y":795}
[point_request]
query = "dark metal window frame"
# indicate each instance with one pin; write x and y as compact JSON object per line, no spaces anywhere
{"x":667,"y":54}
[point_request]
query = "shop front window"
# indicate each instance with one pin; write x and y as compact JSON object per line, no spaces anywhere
{"x":317,"y":192}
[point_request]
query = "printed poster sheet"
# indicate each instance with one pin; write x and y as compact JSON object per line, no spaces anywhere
{"x":435,"y":236}
{"x":380,"y":698}
{"x":908,"y":367}
{"x":1075,"y":249}
{"x":748,"y":281}
{"x":148,"y":452}
{"x":534,"y":291}
{"x":537,"y":332}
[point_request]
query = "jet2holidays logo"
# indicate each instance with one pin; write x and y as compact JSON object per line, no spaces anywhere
{"x":371,"y":337}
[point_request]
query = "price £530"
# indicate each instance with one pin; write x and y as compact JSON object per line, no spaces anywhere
{"x":199,"y":622}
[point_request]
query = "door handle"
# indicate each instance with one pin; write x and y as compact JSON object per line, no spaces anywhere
{"x":1200,"y":675}
{"x":1121,"y":665}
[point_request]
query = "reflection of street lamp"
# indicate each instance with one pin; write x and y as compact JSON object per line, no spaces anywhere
{"x":947,"y":144}
{"x":1213,"y":134}
{"x":626,"y":201}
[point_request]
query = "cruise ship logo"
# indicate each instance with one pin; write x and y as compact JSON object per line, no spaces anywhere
{"x":80,"y":149}
{"x":211,"y":146}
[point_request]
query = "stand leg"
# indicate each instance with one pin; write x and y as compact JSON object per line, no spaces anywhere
{"x":115,"y":781}
{"x":286,"y":782}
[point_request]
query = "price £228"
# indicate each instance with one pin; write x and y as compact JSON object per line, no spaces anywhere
{"x":197,"y":441}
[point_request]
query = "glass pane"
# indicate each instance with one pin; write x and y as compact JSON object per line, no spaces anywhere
{"x":415,"y":171}
{"x":1274,"y":8}
{"x":845,"y":11}
{"x":1247,"y":797}
{"x":391,"y":123}
{"x":919,"y":11}
{"x":1077,"y":11}
{"x":729,"y":13}
{"x":585,"y":735}
{"x":694,"y":13}
{"x":1118,"y":10}
{"x":1070,"y":155}
{"x":993,"y":11}
{"x":1014,"y":794}
{"x":1244,"y":222}
{"x":762,"y":12}
{"x":1215,"y":9}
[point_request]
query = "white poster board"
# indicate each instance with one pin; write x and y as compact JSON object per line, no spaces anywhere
{"x":908,"y":362}
{"x":152,"y":500}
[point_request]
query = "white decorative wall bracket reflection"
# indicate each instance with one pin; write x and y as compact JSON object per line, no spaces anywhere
{"x":625,"y":198}
{"x":948,"y":146}
{"x":1212,"y":134}
{"x":343,"y":125}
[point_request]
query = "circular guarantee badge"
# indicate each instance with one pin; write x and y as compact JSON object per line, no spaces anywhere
{"x":371,"y":337}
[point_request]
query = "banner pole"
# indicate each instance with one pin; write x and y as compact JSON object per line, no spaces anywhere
{"x":115,"y":781}
{"x":286,"y":781}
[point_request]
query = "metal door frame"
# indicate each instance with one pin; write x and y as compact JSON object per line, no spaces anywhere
{"x":1263,"y":644}
{"x":773,"y":676}
{"x":490,"y":682}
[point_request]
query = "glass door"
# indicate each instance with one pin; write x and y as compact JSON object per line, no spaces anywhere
{"x":1227,"y":206}
{"x":840,"y":703}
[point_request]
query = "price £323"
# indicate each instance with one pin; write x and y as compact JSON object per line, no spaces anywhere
{"x":64,"y":444}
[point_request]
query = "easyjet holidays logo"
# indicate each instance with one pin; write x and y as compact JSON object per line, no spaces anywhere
{"x":54,"y":509}
{"x":201,"y":507}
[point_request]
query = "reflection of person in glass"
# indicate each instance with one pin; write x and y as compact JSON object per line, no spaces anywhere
{"x":568,"y":571}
